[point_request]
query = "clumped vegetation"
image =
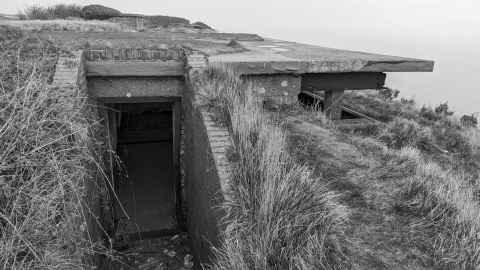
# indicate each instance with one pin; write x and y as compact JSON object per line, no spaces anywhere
{"x":49,"y":163}
{"x":278,"y":215}
{"x":59,"y":11}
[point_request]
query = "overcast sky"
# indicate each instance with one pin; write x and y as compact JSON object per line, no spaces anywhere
{"x":447,"y":31}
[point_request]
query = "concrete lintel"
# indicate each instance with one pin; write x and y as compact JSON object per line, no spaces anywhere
{"x":134,"y":68}
{"x":135,"y":87}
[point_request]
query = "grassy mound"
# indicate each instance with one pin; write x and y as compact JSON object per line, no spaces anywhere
{"x":49,"y":163}
{"x":99,"y":12}
{"x":278,"y":215}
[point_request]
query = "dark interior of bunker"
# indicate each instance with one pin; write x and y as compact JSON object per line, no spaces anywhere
{"x":148,"y":195}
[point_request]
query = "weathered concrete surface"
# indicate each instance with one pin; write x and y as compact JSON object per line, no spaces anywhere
{"x":208,"y":43}
{"x":279,"y":88}
{"x":131,"y":87}
{"x":275,"y":56}
{"x":161,"y":52}
{"x":343,"y":81}
{"x":134,"y":68}
{"x":206,"y":172}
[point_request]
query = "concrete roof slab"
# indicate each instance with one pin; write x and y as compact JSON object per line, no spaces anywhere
{"x":273,"y":56}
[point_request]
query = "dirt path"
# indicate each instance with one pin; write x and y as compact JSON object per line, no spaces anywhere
{"x":166,"y":253}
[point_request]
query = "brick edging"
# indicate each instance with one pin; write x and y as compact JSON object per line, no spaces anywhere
{"x":219,"y":137}
{"x":220,"y":143}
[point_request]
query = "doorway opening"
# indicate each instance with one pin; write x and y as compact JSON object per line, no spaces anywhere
{"x":148,"y":191}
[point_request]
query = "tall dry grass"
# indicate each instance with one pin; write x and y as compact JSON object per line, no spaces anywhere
{"x":277,"y":216}
{"x":49,"y":161}
{"x":446,"y":204}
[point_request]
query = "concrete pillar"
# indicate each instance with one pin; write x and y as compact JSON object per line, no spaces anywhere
{"x":333,"y":104}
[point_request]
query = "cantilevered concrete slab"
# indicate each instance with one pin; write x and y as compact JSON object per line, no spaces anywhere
{"x":318,"y":68}
{"x":275,"y":56}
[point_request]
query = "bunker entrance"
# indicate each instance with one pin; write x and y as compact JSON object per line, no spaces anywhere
{"x":147,"y":189}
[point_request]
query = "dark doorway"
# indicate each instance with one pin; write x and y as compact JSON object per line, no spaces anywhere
{"x":148,"y":200}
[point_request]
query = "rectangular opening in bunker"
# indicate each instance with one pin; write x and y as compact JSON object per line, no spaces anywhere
{"x":147,"y":191}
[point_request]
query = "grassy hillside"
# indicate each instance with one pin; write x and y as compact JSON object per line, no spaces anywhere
{"x":65,"y":25}
{"x":397,"y":194}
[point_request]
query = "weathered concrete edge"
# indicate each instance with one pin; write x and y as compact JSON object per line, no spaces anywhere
{"x":138,"y":87}
{"x":302,"y":67}
{"x":134,"y":68}
{"x":70,"y":71}
{"x":208,"y":172}
{"x":219,"y":137}
{"x":220,"y":143}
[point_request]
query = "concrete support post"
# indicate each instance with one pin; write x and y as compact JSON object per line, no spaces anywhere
{"x":332,"y":104}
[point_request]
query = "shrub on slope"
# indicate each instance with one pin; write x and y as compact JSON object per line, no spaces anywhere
{"x":278,"y":216}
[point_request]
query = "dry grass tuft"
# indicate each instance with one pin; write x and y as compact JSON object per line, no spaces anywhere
{"x":49,"y":164}
{"x":448,"y":215}
{"x":278,"y":215}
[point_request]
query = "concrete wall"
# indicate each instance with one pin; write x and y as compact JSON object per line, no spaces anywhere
{"x":130,"y":87}
{"x":278,"y":88}
{"x":206,"y":173}
{"x":161,"y":52}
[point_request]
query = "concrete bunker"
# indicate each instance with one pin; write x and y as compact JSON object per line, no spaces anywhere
{"x":145,"y":105}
